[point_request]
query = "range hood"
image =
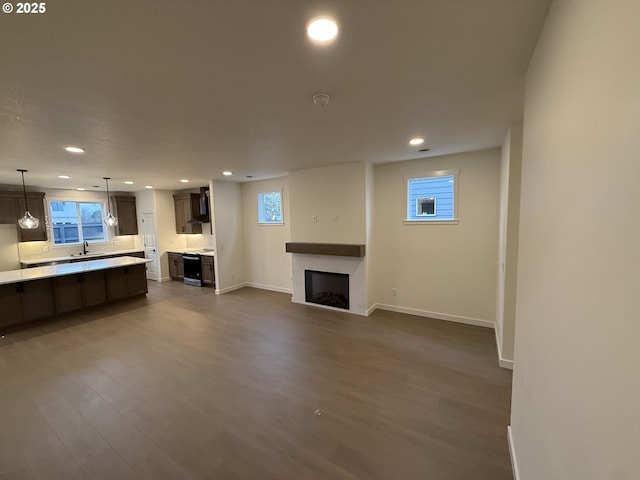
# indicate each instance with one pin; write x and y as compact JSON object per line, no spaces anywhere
{"x":202,"y":215}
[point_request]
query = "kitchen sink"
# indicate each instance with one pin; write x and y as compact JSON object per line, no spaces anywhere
{"x":88,"y":254}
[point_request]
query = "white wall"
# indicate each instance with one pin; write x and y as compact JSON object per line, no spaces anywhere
{"x":372,"y":292}
{"x":442,"y":271}
{"x":168,"y":239}
{"x":325,"y":192}
{"x":229,"y":236}
{"x":510,"y":168}
{"x":266,"y":262}
{"x":576,"y":386}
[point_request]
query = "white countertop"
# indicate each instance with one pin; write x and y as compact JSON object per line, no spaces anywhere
{"x":208,"y":252}
{"x":23,"y":275}
{"x":76,"y":257}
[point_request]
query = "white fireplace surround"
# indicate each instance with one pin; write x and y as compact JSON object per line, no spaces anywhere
{"x":352,"y":266}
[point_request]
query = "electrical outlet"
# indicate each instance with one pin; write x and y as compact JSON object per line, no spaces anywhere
{"x":116,"y":242}
{"x":335,"y":218}
{"x":315,"y":219}
{"x":394,"y":292}
{"x":45,"y":248}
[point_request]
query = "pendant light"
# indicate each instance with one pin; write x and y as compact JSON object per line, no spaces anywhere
{"x":28,"y":221}
{"x":109,"y":220}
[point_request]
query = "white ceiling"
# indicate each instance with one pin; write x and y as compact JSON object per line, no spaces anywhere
{"x":161,"y":90}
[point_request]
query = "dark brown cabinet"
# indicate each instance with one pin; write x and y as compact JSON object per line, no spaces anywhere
{"x":8,"y":208}
{"x":116,"y":284}
{"x":186,"y":206}
{"x":68,"y":295}
{"x":37,"y":299}
{"x":126,"y":282}
{"x":36,"y":207}
{"x":73,"y":292}
{"x":12,"y":207}
{"x":176,"y":266}
{"x":208,"y":273}
{"x":136,"y":280}
{"x":93,"y":288}
{"x":11,"y":304}
{"x":125,"y":209}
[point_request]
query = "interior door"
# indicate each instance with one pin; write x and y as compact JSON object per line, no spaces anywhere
{"x":150,"y":245}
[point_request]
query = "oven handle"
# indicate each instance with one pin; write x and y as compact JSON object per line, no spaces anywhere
{"x":191,"y":257}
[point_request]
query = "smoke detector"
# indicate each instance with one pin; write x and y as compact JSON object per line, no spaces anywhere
{"x":321,"y":99}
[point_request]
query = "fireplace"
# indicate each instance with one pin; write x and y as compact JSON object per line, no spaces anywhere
{"x":327,"y":288}
{"x":345,"y":260}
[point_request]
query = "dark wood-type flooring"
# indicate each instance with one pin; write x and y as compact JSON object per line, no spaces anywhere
{"x":184,"y":384}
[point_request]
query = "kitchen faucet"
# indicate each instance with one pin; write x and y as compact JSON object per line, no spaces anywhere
{"x":85,"y":248}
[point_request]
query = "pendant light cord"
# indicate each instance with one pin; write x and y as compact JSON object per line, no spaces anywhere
{"x":106,"y":179}
{"x":24,"y":190}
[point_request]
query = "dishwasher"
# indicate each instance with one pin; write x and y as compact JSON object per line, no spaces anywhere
{"x":192,"y":269}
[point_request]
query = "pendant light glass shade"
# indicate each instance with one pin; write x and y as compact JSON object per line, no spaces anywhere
{"x":109,"y":220}
{"x":28,"y":221}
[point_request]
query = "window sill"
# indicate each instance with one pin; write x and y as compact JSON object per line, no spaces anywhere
{"x":453,"y":221}
{"x":268,"y":224}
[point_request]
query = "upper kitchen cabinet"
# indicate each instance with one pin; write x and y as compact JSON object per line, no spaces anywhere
{"x":36,"y":207}
{"x":12,"y":207}
{"x":8,"y":208}
{"x":124,"y":208}
{"x":187,"y":207}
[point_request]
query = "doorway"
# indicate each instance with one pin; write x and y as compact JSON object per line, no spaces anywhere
{"x":150,"y":246}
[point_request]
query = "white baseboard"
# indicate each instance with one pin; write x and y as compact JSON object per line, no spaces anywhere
{"x":237,"y":286}
{"x":440,"y":316}
{"x":372,"y":309}
{"x":163,"y":279}
{"x":503,"y":362}
{"x":268,"y":287}
{"x":512,"y":454}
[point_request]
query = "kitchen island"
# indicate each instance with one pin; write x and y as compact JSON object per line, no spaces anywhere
{"x":41,"y":292}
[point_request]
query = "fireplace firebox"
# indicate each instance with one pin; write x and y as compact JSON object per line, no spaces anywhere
{"x":327,"y":288}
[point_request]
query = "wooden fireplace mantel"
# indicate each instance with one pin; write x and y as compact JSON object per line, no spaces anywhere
{"x":336,"y":249}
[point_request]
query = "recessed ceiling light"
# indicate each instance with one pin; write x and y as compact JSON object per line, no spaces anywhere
{"x":227,"y":173}
{"x":128,"y":182}
{"x":64,"y":176}
{"x":322,"y":29}
{"x":148,"y":186}
{"x":80,"y":189}
{"x":184,"y":180}
{"x":416,"y":141}
{"x":74,"y":149}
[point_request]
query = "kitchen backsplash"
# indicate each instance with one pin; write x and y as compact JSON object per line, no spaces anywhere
{"x":204,"y":240}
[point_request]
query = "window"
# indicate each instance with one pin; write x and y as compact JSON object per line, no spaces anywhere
{"x":270,"y":208}
{"x":77,"y":222}
{"x":432,"y":198}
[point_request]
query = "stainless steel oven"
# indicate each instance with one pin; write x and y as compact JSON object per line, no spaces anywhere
{"x":192,"y":269}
